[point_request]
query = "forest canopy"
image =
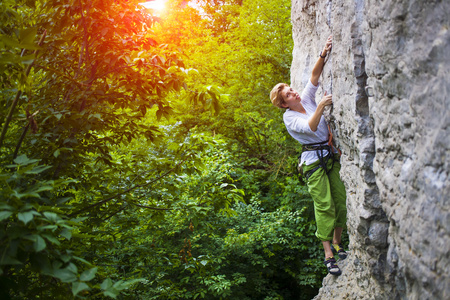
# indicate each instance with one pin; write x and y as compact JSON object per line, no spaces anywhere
{"x":141,"y":157}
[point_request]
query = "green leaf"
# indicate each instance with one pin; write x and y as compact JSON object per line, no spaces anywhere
{"x":65,"y":275}
{"x":6,"y":58}
{"x":121,"y":284}
{"x":25,"y":195}
{"x":106,"y":284}
{"x":30,"y":46}
{"x":52,"y":216}
{"x":78,"y":287}
{"x":37,"y":169}
{"x":27,"y":216}
{"x":9,"y":41}
{"x":67,"y":233}
{"x":88,"y":274}
{"x":28,"y":59}
{"x":113,"y":293}
{"x":23,"y":160}
{"x":8,"y":260}
{"x":27,"y":35}
{"x":65,"y":258}
{"x":51,"y":239}
{"x":4,"y":206}
{"x":51,"y":227}
{"x":97,"y":116}
{"x":72,"y":267}
{"x":201,"y":98}
{"x":39,"y":244}
{"x":5,"y":215}
{"x":158,"y":115}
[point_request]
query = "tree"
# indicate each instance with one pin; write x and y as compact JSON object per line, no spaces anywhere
{"x":82,"y":90}
{"x":141,"y":157}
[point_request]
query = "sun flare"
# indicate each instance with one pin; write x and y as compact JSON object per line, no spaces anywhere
{"x":158,"y":5}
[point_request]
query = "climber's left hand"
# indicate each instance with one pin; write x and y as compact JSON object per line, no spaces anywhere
{"x":328,"y":44}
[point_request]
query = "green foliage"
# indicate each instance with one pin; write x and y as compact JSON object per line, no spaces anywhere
{"x":141,"y":157}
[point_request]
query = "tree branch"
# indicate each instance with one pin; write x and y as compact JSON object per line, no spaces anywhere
{"x":149,"y":207}
{"x":116,"y":212}
{"x":127,"y":190}
{"x":62,"y":75}
{"x":22,"y":137}
{"x":19,"y":93}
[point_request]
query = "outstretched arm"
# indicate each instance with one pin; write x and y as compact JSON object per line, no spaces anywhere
{"x":318,"y":67}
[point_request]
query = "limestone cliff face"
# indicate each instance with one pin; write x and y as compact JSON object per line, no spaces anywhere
{"x":395,"y":138}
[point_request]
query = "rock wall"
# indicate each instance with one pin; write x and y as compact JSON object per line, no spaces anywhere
{"x":394,"y":135}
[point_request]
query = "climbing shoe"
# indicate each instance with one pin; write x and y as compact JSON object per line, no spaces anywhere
{"x":333,"y":269}
{"x":339,"y":250}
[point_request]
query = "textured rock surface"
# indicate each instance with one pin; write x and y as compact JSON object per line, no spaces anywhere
{"x":395,"y":144}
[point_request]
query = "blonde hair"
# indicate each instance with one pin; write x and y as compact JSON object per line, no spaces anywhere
{"x":275,"y":95}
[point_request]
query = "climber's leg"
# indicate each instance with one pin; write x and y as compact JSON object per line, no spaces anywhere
{"x":339,"y":197}
{"x":332,"y":267}
{"x":337,"y":235}
{"x":338,"y":194}
{"x":330,"y":262}
{"x":336,"y":246}
{"x":327,"y":249}
{"x":324,"y":210}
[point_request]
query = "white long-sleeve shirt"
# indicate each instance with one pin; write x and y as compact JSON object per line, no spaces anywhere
{"x":298,"y":127}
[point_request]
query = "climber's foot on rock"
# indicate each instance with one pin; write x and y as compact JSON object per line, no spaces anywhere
{"x":339,"y":250}
{"x":333,"y":269}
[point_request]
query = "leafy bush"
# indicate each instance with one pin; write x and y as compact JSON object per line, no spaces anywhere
{"x":141,"y":157}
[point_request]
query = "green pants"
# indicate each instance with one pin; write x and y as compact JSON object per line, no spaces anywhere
{"x":328,"y":193}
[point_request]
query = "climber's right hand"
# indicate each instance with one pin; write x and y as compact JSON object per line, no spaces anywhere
{"x":326,"y":99}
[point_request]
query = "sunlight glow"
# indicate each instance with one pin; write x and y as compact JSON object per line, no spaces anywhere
{"x":158,"y":5}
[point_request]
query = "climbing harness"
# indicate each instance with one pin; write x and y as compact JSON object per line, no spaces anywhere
{"x":319,"y":148}
{"x":323,"y":160}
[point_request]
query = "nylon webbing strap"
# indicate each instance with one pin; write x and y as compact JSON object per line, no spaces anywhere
{"x":319,"y":148}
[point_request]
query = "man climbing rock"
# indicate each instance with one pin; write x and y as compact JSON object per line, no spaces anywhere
{"x":319,"y":159}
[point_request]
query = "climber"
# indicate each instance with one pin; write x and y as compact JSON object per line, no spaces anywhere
{"x":319,"y":159}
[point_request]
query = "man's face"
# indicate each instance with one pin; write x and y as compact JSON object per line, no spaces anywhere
{"x":290,"y":97}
